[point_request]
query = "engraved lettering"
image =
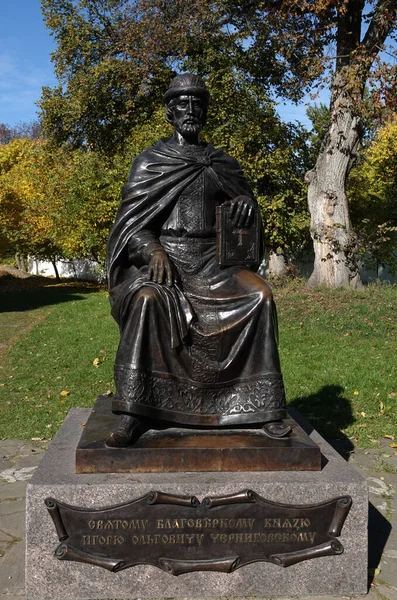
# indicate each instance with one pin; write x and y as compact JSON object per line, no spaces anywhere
{"x":160,"y":524}
{"x":91,"y":524}
{"x":312,"y":535}
{"x":268,"y":523}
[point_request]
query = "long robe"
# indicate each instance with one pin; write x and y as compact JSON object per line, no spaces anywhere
{"x":202,"y":352}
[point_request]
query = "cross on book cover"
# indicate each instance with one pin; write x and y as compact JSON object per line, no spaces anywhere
{"x":236,"y":245}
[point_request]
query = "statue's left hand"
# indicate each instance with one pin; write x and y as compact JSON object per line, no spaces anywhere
{"x":160,"y":268}
{"x":242,"y":211}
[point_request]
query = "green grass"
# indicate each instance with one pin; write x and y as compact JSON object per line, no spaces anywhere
{"x":338,"y":351}
{"x":56,"y":356}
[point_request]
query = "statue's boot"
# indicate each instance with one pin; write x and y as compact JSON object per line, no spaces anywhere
{"x":127,"y":431}
{"x":276,"y":429}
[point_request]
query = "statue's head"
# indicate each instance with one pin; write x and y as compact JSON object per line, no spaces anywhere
{"x":187,"y":101}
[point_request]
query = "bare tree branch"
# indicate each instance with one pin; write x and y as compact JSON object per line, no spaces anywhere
{"x":383,"y":21}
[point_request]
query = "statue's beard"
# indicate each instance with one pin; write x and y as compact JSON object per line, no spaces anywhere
{"x":188,"y":130}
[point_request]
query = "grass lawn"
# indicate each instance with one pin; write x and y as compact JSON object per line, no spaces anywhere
{"x":338,"y":351}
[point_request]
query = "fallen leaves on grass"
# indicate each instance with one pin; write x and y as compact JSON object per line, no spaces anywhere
{"x":64,"y":393}
{"x":95,"y":362}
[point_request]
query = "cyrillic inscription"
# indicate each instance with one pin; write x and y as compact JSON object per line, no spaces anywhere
{"x":244,"y":527}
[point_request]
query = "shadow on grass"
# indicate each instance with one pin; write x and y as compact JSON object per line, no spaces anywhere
{"x":328,"y":411}
{"x":18,"y":295}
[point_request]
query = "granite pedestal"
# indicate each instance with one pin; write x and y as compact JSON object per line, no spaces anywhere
{"x":49,"y":578}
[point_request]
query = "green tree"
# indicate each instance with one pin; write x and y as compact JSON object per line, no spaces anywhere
{"x":274,"y":156}
{"x":114,"y":57}
{"x":241,"y":118}
{"x":373,"y":197}
{"x":27,"y":215}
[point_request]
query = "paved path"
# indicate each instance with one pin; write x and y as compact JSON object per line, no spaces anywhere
{"x":18,"y":460}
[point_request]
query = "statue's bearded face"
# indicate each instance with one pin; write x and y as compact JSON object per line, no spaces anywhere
{"x":188,"y":115}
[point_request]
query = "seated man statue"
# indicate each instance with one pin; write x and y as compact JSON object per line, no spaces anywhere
{"x":198,"y":342}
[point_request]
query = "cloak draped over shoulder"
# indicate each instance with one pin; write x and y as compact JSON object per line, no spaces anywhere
{"x":157,"y":178}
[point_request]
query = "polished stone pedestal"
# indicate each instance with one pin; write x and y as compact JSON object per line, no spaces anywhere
{"x":48,"y":578}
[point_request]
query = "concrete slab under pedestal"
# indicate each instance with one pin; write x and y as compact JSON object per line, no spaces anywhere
{"x":49,"y":578}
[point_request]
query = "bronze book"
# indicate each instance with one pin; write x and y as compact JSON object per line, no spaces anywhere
{"x":236,"y":246}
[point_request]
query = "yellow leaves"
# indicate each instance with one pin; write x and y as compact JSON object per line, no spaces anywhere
{"x":64,"y":393}
{"x":356,"y":393}
{"x":95,"y":362}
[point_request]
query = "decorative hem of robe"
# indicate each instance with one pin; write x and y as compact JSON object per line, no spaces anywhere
{"x":160,"y":396}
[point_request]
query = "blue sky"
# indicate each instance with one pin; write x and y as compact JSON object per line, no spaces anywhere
{"x":25,"y":65}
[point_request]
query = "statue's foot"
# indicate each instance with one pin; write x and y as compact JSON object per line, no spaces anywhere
{"x":127,"y":431}
{"x":276,"y":429}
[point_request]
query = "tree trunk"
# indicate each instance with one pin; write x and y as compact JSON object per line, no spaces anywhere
{"x":335,"y":263}
{"x":277,"y":264}
{"x":54,"y":264}
{"x":22,"y":263}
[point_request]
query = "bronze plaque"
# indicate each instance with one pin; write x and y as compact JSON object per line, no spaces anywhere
{"x":179,"y":534}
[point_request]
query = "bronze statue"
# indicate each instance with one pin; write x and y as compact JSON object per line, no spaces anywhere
{"x":198,"y":342}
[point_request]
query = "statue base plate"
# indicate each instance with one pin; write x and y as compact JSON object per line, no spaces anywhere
{"x":176,"y":449}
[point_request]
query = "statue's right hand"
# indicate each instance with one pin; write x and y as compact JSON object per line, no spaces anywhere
{"x":160,"y":268}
